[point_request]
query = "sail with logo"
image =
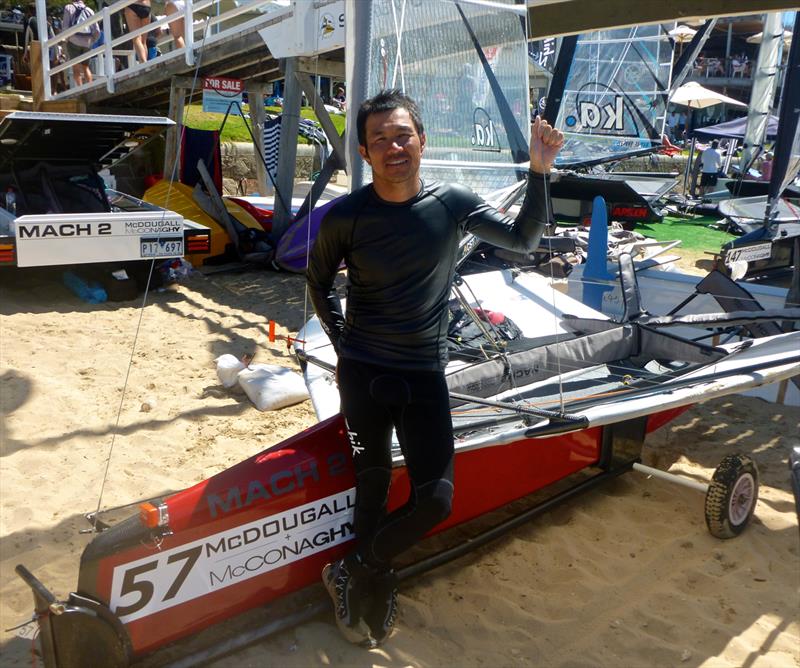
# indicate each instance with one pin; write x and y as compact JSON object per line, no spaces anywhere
{"x":467,"y":66}
{"x":615,"y":98}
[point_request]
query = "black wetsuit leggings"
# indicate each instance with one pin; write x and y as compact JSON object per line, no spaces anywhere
{"x":374,"y":400}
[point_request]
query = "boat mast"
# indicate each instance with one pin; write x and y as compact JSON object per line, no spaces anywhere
{"x":787,"y":150}
{"x":358,"y":16}
{"x":765,"y":82}
{"x":559,"y":81}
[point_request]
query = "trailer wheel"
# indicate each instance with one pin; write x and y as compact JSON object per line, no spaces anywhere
{"x":732,"y":496}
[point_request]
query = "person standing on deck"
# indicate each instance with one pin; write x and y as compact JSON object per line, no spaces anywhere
{"x":399,"y":238}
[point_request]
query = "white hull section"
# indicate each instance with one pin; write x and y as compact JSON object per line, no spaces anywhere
{"x":537,"y":308}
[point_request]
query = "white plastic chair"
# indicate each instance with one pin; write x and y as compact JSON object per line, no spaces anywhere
{"x":738,"y":67}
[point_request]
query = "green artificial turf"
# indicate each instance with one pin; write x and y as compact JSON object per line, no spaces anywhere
{"x":235,"y":129}
{"x":696,"y":234}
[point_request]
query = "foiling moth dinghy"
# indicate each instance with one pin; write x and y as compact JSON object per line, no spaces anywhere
{"x":569,"y":401}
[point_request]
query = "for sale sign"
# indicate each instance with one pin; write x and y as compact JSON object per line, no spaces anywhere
{"x":219,"y":94}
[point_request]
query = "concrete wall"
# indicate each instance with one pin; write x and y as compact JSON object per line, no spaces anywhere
{"x":653,"y":163}
{"x":238,"y":167}
{"x":239,"y":159}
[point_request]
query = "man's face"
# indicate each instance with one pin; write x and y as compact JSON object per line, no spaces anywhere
{"x":394,"y":147}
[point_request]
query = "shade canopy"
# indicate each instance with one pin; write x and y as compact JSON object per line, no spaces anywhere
{"x":734,"y":129}
{"x":695,"y":96}
{"x":756,"y":39}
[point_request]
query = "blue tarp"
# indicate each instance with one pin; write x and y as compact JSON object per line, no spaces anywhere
{"x":734,"y":129}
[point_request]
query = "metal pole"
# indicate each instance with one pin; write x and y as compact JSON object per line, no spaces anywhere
{"x":357,"y":16}
{"x":188,"y":33}
{"x":688,"y":167}
{"x":671,"y":477}
{"x":728,"y":48}
{"x":108,"y":50}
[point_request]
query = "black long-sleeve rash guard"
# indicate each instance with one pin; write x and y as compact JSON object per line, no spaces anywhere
{"x":400,"y":263}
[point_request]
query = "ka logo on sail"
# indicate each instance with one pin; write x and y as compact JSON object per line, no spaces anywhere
{"x":593,"y":116}
{"x":484,"y":135}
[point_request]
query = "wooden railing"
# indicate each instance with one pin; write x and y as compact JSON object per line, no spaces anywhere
{"x":205,"y":22}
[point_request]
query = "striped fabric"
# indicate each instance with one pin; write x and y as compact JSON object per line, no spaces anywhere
{"x":272,"y":139}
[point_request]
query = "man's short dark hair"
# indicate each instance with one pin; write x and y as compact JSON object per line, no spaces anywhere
{"x":714,"y":143}
{"x":387,"y":100}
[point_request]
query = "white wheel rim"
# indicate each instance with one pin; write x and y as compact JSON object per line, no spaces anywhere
{"x":741,"y":500}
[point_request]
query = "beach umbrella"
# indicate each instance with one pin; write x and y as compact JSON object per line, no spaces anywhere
{"x":695,"y":96}
{"x":756,"y":39}
{"x":682,"y":33}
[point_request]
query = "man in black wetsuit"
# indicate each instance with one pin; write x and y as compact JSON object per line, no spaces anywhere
{"x":399,"y":239}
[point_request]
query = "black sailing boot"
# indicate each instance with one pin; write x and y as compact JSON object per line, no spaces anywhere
{"x":348,"y":582}
{"x":381,"y":611}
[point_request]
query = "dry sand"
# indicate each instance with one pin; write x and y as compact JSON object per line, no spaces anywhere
{"x":623,"y":576}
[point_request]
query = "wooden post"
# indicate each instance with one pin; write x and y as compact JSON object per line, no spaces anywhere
{"x":177,"y":97}
{"x":37,"y":78}
{"x":287,"y":149}
{"x":44,"y":63}
{"x":255,"y":95}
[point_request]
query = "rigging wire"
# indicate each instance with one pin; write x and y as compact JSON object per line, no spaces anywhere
{"x":494,"y":336}
{"x":309,"y":217}
{"x":556,"y":323}
{"x":398,"y":58}
{"x":179,"y":141}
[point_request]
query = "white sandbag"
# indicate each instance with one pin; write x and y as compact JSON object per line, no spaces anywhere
{"x":271,"y":387}
{"x":228,"y":368}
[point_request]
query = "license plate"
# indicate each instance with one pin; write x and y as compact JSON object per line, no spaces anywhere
{"x":750,"y":253}
{"x":162,"y":247}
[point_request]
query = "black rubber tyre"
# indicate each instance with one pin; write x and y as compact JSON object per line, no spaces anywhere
{"x":731,"y":497}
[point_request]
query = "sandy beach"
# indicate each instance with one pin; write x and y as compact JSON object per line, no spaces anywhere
{"x":625,"y":576}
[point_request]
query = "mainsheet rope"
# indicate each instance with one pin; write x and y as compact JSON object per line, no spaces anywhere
{"x":179,"y":140}
{"x":546,"y":184}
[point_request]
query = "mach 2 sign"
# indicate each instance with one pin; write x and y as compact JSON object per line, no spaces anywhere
{"x":220,"y":93}
{"x":80,"y":238}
